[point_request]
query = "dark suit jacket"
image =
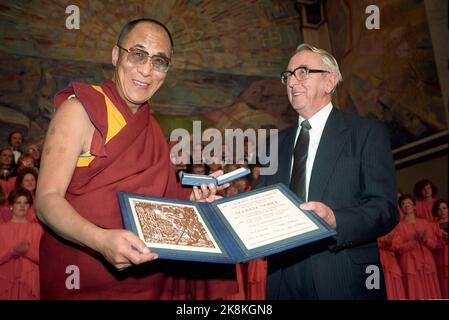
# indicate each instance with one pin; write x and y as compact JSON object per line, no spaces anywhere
{"x":353,"y":173}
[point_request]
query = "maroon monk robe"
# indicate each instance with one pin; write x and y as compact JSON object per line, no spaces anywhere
{"x":135,"y":160}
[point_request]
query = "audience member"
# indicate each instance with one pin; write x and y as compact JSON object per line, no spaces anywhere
{"x":27,"y":179}
{"x":19,"y":251}
{"x":15,"y":140}
{"x":415,"y":257}
{"x":34,"y":150}
{"x":7,"y":170}
{"x":213,"y":162}
{"x":197,"y":168}
{"x":254,"y":176}
{"x":388,"y":247}
{"x":424,"y":192}
{"x":26,"y":160}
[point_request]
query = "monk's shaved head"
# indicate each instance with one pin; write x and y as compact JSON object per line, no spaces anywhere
{"x":130,"y":26}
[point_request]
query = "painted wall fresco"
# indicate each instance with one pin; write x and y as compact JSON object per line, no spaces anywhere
{"x":221,"y":49}
{"x":389,"y":74}
{"x":27,"y":88}
{"x":228,"y":57}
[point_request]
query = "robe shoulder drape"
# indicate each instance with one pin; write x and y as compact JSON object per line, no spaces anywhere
{"x":128,"y":153}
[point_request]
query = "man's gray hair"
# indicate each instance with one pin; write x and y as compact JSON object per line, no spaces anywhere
{"x":329,"y":62}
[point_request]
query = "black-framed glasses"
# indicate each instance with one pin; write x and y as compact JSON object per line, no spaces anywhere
{"x":300,"y":73}
{"x":138,"y":56}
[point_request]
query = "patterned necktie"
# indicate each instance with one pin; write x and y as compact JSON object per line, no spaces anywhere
{"x":298,"y":178}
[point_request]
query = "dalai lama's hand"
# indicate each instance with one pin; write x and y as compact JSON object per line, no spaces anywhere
{"x":208,"y":193}
{"x":122,"y":248}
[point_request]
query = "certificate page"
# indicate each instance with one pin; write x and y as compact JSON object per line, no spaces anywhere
{"x":172,"y":226}
{"x":265,"y":217}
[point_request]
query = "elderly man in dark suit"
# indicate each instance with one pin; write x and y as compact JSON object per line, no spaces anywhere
{"x":342,"y":166}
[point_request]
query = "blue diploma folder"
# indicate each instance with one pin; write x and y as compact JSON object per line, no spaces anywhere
{"x":200,"y":231}
{"x":190,"y":179}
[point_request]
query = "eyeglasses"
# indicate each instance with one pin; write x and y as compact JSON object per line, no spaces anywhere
{"x":300,"y":73}
{"x":138,"y":56}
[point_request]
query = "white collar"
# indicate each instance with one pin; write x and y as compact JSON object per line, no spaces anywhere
{"x":318,"y":120}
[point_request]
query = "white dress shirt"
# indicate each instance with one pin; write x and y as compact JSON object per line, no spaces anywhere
{"x":317,"y":122}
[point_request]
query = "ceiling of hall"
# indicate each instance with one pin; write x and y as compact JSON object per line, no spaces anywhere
{"x":237,"y":37}
{"x":221,"y":47}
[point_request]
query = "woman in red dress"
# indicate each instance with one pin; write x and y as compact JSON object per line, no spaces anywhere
{"x":388,"y":246}
{"x":418,"y":238}
{"x":19,"y":251}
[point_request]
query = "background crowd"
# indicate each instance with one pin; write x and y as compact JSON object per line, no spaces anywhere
{"x":20,"y":230}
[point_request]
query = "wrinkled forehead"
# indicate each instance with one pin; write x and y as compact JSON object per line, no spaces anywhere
{"x":305,"y":58}
{"x":146,"y":35}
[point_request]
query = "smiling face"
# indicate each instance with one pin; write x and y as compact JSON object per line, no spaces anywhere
{"x":407,"y":206}
{"x":136,"y":84}
{"x":310,"y":95}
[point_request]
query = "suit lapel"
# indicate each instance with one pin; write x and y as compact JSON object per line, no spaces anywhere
{"x":331,"y":145}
